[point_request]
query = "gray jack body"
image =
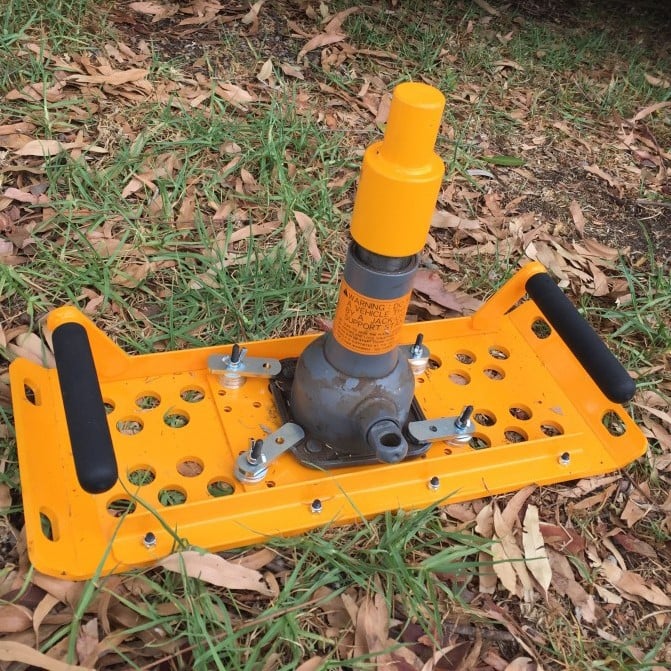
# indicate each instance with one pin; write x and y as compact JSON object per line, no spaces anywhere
{"x":358,"y":404}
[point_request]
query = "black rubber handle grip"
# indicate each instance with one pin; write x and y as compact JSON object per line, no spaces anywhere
{"x":602,"y":366}
{"x":90,"y":438}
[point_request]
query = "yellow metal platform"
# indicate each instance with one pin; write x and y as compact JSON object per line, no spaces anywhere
{"x":177,"y":433}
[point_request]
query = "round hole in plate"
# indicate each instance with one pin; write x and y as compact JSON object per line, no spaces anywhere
{"x":47,"y":527}
{"x":447,"y":451}
{"x":465,"y":357}
{"x":30,"y":394}
{"x":498,"y":352}
{"x":420,"y":380}
{"x":494,"y":373}
{"x":141,"y":475}
{"x":192,"y":395}
{"x":484,"y":417}
{"x":479,"y":442}
{"x":614,"y":423}
{"x":121,"y":506}
{"x":521,"y":412}
{"x":227,"y":408}
{"x":279,"y":440}
{"x":219,"y":487}
{"x":266,"y":365}
{"x":221,"y":392}
{"x":129,"y":426}
{"x":256,"y":404}
{"x":434,"y":363}
{"x":541,"y":329}
{"x":171,"y":496}
{"x":270,"y":484}
{"x":460,"y":377}
{"x":190,"y":467}
{"x":433,"y":428}
{"x":515,"y":435}
{"x":176,"y":419}
{"x":552,"y":429}
{"x":148,"y":401}
{"x":109,"y":406}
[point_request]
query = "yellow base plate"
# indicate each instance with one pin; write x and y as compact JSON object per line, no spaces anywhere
{"x":177,"y":434}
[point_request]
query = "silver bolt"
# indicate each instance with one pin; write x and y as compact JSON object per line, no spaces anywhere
{"x":434,"y":483}
{"x":564,"y":459}
{"x":149,"y":540}
{"x":316,"y":506}
{"x":461,"y":422}
{"x":417,"y":350}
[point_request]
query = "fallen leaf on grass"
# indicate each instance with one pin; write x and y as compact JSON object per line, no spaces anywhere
{"x":154,"y":9}
{"x":535,"y":555}
{"x":601,"y":174}
{"x":87,"y":642}
{"x":430,"y":283}
{"x":650,"y":109}
{"x":11,"y":651}
{"x":235,"y":95}
{"x":114,"y":78}
{"x":522,"y":664}
{"x":510,"y":554}
{"x":632,"y":585}
{"x":266,"y":71}
{"x":307,"y":226}
{"x":487,"y":7}
{"x":578,"y":216}
{"x":14,"y":618}
{"x":312,"y":664}
{"x":564,"y":583}
{"x":215,"y":570}
{"x":321,"y":40}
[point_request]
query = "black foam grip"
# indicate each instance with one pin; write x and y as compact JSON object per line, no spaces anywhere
{"x":602,"y":366}
{"x":90,"y":439}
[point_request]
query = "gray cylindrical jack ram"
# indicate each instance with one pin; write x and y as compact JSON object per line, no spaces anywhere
{"x":358,"y":403}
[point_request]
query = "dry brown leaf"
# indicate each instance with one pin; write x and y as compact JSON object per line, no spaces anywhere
{"x":431,"y":284}
{"x":154,"y":9}
{"x":511,"y":512}
{"x":307,"y":226}
{"x":372,"y":626}
{"x":512,"y":552}
{"x":522,"y":664}
{"x":86,"y":644}
{"x":14,"y":618}
{"x":564,"y":583}
{"x":447,"y":220}
{"x":318,"y":41}
{"x":578,"y":216}
{"x":266,"y":71}
{"x":41,"y":148}
{"x":535,"y":555}
{"x":657,"y":81}
{"x":598,"y":172}
{"x":217,"y":571}
{"x":252,"y":16}
{"x":115,"y":78}
{"x":291,"y":71}
{"x":335,"y":23}
{"x":11,"y":651}
{"x":650,"y":109}
{"x":633,"y":512}
{"x":5,"y":496}
{"x":30,"y":346}
{"x":632,"y":585}
{"x":487,"y":7}
{"x":235,"y":95}
{"x":312,"y":664}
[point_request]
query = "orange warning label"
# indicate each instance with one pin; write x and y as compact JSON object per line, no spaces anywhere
{"x":368,"y":325}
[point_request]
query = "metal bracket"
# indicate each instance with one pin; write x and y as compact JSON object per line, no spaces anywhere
{"x":252,"y":465}
{"x":234,"y":368}
{"x":454,"y":430}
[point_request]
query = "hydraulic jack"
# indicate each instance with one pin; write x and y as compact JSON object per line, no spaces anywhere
{"x":230,"y":445}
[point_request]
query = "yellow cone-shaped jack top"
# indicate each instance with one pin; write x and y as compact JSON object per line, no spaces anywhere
{"x":401,"y":175}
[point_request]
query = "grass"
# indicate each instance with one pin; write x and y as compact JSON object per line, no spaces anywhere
{"x":155,"y":278}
